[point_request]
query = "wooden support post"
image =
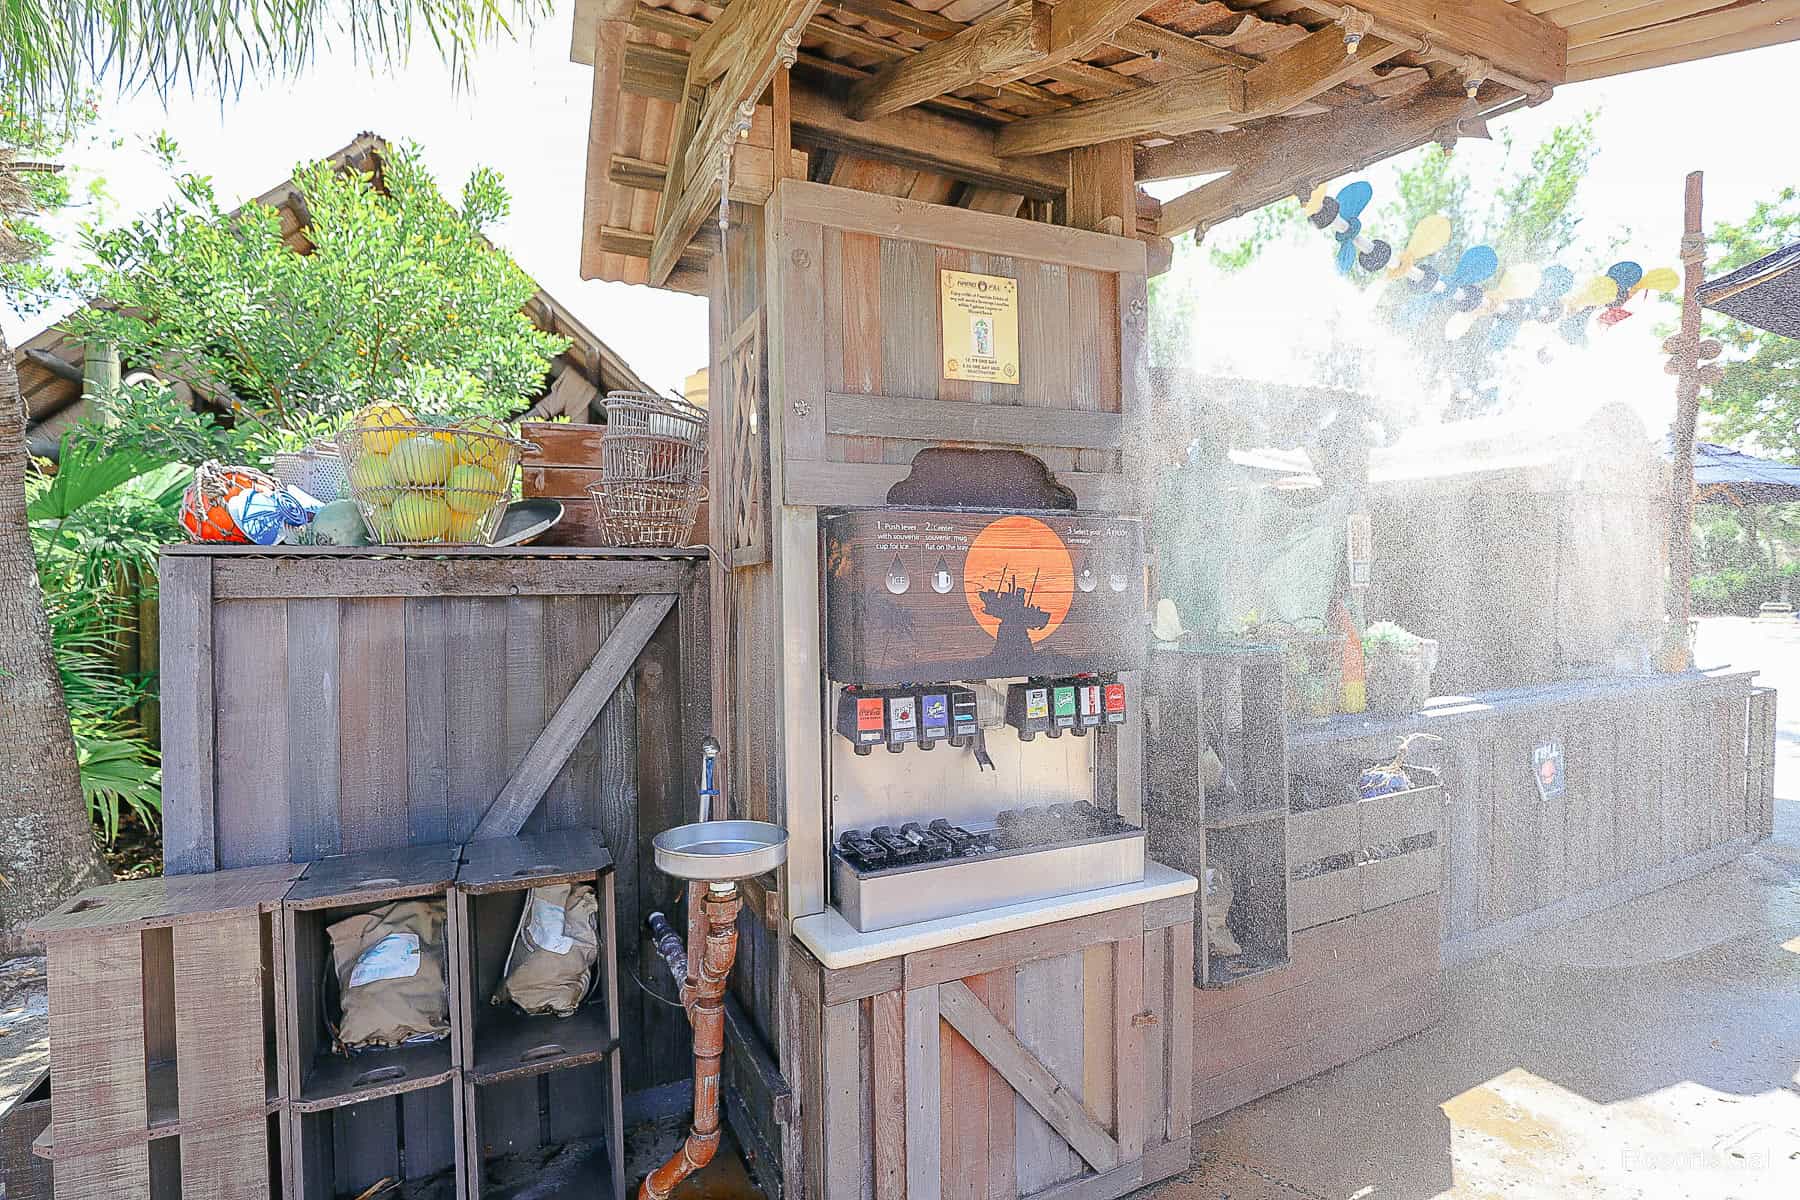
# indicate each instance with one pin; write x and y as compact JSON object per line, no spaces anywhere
{"x":1102,"y":189}
{"x":1676,"y":654}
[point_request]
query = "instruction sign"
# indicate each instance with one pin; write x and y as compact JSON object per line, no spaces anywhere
{"x":1547,"y":769}
{"x":980,"y":316}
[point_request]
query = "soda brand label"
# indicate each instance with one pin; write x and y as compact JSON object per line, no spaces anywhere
{"x":868,"y":719}
{"x":934,"y":715}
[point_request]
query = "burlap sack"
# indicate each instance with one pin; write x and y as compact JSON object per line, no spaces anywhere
{"x":552,"y":958}
{"x":390,"y":971}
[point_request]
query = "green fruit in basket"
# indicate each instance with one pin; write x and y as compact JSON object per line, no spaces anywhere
{"x":472,"y":489}
{"x":420,"y":517}
{"x":421,"y":460}
{"x":375,"y":418}
{"x":464,"y":527}
{"x":339,"y":523}
{"x":474,"y":449}
{"x":370,"y":471}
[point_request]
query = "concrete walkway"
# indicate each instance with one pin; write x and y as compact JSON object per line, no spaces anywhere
{"x":1649,"y":1051}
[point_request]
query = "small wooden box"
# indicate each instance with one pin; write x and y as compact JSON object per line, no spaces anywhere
{"x":566,"y":460}
{"x":917,"y":595}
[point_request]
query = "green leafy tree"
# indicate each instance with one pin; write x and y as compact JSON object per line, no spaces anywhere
{"x":51,"y":54}
{"x":400,"y":294}
{"x":1759,"y":398}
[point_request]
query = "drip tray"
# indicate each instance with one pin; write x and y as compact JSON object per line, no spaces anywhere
{"x":872,"y":900}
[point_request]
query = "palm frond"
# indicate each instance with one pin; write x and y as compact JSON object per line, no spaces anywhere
{"x":50,"y":50}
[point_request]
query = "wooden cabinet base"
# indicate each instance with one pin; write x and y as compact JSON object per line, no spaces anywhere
{"x":1035,"y":1063}
{"x":1354,"y":986}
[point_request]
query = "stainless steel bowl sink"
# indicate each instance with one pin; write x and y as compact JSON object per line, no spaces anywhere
{"x":716,"y":851}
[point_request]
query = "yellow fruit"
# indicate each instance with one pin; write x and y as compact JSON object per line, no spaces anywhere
{"x":420,"y":460}
{"x":471,"y":489}
{"x":475,"y":450}
{"x":464,"y":527}
{"x":420,"y":517}
{"x":375,"y":415}
{"x":370,"y":471}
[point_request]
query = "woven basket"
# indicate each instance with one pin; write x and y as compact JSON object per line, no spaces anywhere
{"x":427,"y":496}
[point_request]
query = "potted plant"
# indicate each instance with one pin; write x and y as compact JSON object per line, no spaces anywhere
{"x":1398,"y":665}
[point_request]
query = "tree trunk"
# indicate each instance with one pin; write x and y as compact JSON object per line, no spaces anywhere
{"x":47,"y":850}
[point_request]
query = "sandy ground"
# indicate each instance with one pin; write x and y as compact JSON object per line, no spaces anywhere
{"x":1648,"y":1051}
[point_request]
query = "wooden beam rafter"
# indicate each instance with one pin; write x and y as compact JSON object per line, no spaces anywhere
{"x":701,"y":145}
{"x":1027,"y":39}
{"x":1509,"y":36}
{"x":1309,"y":67}
{"x":1173,"y":107}
{"x":1269,"y":162}
{"x":1007,"y":38}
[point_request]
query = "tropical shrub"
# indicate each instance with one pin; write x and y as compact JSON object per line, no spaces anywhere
{"x":400,"y":295}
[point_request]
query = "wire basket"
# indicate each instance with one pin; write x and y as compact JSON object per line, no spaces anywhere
{"x":646,"y":512}
{"x":317,"y":470}
{"x":430,"y":485}
{"x":652,"y":438}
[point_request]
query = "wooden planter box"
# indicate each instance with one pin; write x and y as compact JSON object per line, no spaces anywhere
{"x":1363,"y":855}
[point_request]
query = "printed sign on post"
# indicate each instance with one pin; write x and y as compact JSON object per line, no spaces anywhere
{"x":980,"y":318}
{"x":1547,"y":769}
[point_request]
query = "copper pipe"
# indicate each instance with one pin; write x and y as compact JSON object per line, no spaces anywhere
{"x":704,"y":999}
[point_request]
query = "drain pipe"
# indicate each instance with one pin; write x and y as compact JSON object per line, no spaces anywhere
{"x":703,"y":997}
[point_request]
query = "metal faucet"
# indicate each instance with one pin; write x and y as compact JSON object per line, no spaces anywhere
{"x":709,"y":750}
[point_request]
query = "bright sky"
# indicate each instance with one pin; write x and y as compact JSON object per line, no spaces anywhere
{"x":526,"y":114}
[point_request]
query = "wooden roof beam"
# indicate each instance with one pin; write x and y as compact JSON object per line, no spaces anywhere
{"x":1272,"y":161}
{"x":1176,"y":106}
{"x":703,"y":140}
{"x":1028,"y":38}
{"x":1508,"y":36}
{"x":1005,"y":38}
{"x":1223,"y":96}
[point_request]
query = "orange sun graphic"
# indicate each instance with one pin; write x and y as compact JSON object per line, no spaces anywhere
{"x":1019,"y":563}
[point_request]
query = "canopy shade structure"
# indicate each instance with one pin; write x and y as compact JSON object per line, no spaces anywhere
{"x":1766,"y":293}
{"x":1056,"y":111}
{"x":1726,"y":476}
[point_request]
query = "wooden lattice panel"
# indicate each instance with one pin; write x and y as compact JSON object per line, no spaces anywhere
{"x":745,"y":486}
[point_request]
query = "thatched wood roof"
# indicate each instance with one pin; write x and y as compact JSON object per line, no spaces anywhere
{"x":49,"y":362}
{"x":982,"y":102}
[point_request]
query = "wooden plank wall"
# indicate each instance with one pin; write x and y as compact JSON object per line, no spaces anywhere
{"x":904,"y":1095}
{"x":1655,"y":775}
{"x":1353,"y":986}
{"x":869,"y":265}
{"x":337,"y":705}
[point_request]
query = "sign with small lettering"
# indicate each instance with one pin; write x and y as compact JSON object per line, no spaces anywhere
{"x":980,"y":318}
{"x":1547,"y":769}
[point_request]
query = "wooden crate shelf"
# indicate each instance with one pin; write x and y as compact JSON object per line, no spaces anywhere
{"x":1357,"y":855}
{"x":412,"y":1138}
{"x":163,"y":1038}
{"x":543,"y":1094}
{"x":558,"y":1135}
{"x":1232,"y":701}
{"x":317,"y":1078}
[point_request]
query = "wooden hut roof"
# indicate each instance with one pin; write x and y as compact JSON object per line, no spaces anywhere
{"x":1765,"y":293}
{"x":983,"y":103}
{"x":50,"y":362}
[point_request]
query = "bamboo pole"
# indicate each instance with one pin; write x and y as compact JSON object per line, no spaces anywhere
{"x":1676,"y":654}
